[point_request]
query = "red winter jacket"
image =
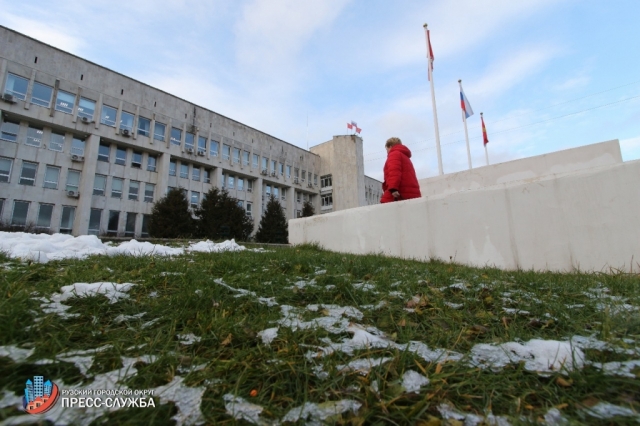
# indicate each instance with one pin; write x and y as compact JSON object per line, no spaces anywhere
{"x":399,"y":175}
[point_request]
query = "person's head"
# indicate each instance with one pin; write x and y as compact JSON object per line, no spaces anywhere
{"x":391,"y":142}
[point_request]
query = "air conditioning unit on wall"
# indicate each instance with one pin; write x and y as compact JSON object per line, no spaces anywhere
{"x":9,"y":98}
{"x":201,"y":152}
{"x":125,"y":132}
{"x":76,"y":157}
{"x":263,"y":172}
{"x":73,"y":194}
{"x":189,"y":150}
{"x":85,"y":120}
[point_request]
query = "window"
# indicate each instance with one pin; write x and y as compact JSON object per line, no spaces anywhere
{"x":275,"y":192}
{"x":159,"y":131}
{"x":51,"y":177}
{"x":298,"y":213}
{"x":34,"y":136}
{"x":134,"y":187}
{"x":144,"y":232}
{"x":213,"y":147}
{"x":268,"y":191}
{"x":195,"y":199}
{"x":112,"y":225}
{"x":222,"y":183}
{"x":265,"y":163}
{"x":130,"y":225}
{"x":226,"y":152}
{"x":121,"y":156}
{"x":66,"y":221}
{"x":108,"y":115}
{"x":65,"y":102}
{"x":249,"y":185}
{"x":184,"y":171}
{"x":5,"y":169}
{"x":28,"y":173}
{"x":202,"y":144}
{"x":19,"y":215}
{"x":231,"y":182}
{"x":241,"y":204}
{"x":116,"y":187}
{"x":77,"y":146}
{"x":149,"y":189}
{"x":126,"y":121}
{"x":325,"y":181}
{"x":94,"y":221}
{"x":249,"y":208}
{"x":305,"y":197}
{"x":152,"y":161}
{"x":189,"y":140}
{"x":195,"y":173}
{"x":136,"y":160}
{"x":273,"y":165}
{"x":236,"y":155}
{"x":17,"y":86}
{"x":297,"y":196}
{"x":315,"y":180}
{"x":103,"y":153}
{"x":86,"y":108}
{"x":288,"y":172}
{"x":73,"y":180}
{"x":245,"y":158}
{"x":9,"y":131}
{"x":176,"y":136}
{"x":99,"y":184}
{"x":41,"y":94}
{"x":172,"y":167}
{"x":44,"y":216}
{"x":295,"y":173}
{"x":304,"y":175}
{"x":207,"y":176}
{"x":144,"y":126}
{"x":256,"y":160}
{"x":281,"y":169}
{"x":327,"y":200}
{"x":56,"y":142}
{"x":1,"y":206}
{"x":240,"y":184}
{"x":284,"y":194}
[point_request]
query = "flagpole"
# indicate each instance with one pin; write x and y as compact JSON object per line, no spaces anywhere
{"x":486,"y":152}
{"x":466,"y":132}
{"x":433,"y":101}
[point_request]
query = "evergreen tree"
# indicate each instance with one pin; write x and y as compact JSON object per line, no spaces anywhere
{"x":307,"y":209}
{"x":170,"y":217}
{"x":273,"y":225}
{"x":220,"y":217}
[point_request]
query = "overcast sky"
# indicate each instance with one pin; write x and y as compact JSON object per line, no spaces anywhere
{"x":548,"y":74}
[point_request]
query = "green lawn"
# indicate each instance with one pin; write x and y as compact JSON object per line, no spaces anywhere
{"x":295,"y":334}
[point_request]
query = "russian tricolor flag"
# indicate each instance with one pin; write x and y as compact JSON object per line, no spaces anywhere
{"x":464,"y":103}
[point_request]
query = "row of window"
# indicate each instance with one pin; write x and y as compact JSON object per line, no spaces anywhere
{"x":36,"y":137}
{"x":45,"y":213}
{"x":194,"y":200}
{"x":184,"y":171}
{"x":238,"y":183}
{"x":113,"y":221}
{"x":121,"y":154}
{"x":42,"y":96}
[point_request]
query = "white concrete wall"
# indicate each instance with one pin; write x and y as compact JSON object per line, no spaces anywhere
{"x":525,"y":169}
{"x":587,"y":220}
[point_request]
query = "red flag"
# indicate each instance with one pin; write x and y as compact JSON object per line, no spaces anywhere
{"x":485,"y":139}
{"x":429,"y":51}
{"x":358,"y":129}
{"x":349,"y":126}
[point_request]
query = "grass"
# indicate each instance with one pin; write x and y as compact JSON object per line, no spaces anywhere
{"x":230,"y":358}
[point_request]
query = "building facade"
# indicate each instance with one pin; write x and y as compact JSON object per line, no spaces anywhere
{"x":86,"y":150}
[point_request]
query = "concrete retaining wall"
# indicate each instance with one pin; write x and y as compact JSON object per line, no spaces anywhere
{"x":587,"y":220}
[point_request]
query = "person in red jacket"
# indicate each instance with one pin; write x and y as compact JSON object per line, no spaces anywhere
{"x":400,"y":181}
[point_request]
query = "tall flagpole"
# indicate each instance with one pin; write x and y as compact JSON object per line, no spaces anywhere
{"x":433,"y":98}
{"x":466,"y":132}
{"x":485,"y":140}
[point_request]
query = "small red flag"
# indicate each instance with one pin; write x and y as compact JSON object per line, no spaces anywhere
{"x":429,"y":51}
{"x":485,"y":139}
{"x":358,"y":129}
{"x":349,"y":126}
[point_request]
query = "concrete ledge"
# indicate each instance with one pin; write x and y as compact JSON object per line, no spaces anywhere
{"x":525,"y":169}
{"x":587,"y":220}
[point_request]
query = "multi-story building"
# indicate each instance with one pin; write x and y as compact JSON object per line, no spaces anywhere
{"x":86,"y":150}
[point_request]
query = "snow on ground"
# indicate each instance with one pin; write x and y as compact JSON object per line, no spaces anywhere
{"x":43,"y":247}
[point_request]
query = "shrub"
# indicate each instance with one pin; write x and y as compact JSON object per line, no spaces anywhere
{"x":220,"y":217}
{"x":273,"y":225}
{"x":307,"y":209}
{"x":171,"y":218}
